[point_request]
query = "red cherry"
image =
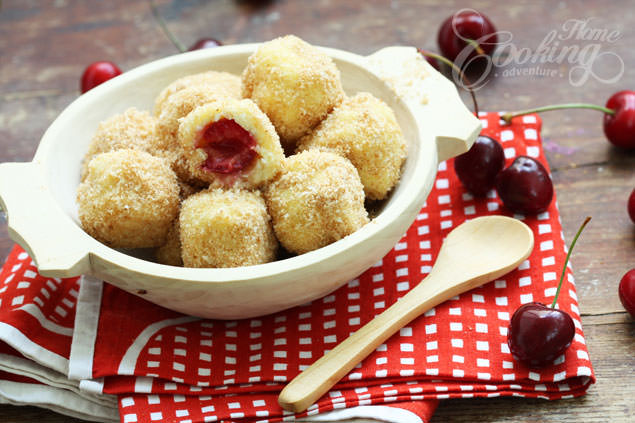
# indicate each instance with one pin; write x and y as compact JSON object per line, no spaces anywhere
{"x":97,"y":73}
{"x":525,"y":186}
{"x":477,"y":169}
{"x":627,"y":291}
{"x":205,"y":43}
{"x":619,"y":128}
{"x":229,"y":147}
{"x":465,"y":25}
{"x":539,"y":334}
{"x":631,"y":205}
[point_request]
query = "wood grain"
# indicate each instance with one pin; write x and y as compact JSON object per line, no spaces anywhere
{"x":44,"y":47}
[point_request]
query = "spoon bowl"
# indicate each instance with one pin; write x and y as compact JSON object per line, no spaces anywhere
{"x":474,"y":253}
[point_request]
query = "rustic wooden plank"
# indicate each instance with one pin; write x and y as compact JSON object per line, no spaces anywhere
{"x":25,"y":414}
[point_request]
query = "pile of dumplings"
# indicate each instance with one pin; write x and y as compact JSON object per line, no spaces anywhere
{"x":204,"y":179}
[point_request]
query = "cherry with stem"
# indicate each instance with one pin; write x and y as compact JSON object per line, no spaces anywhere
{"x":538,"y":334}
{"x":619,"y":116}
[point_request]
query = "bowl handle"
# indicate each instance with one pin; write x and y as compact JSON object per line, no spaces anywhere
{"x":432,"y":97}
{"x":38,"y":224}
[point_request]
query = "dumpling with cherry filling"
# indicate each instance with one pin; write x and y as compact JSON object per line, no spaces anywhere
{"x":230,"y":143}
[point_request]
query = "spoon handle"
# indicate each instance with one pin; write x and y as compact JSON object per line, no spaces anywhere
{"x":315,"y":381}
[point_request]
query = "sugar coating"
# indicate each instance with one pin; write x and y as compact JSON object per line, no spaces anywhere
{"x":129,"y":199}
{"x":226,"y":228}
{"x":133,"y":129}
{"x":222,"y":83}
{"x":246,"y":114}
{"x":176,"y":107}
{"x":364,"y":130}
{"x":317,"y":199}
{"x":294,"y":83}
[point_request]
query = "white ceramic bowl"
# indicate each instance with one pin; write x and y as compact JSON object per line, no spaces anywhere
{"x":39,"y":197}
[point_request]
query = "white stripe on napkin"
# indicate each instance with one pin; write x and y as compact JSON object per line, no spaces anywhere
{"x":129,"y":360}
{"x":59,"y":400}
{"x":86,"y":321}
{"x":376,"y":412}
{"x":18,"y":341}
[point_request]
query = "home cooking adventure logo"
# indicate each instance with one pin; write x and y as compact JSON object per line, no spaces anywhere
{"x":578,"y":50}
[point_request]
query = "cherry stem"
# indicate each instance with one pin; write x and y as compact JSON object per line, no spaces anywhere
{"x":566,"y":260}
{"x":164,"y":27}
{"x":476,"y":46}
{"x":507,"y":117}
{"x":466,"y":82}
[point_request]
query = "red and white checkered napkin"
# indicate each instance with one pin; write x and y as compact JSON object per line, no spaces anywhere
{"x":36,"y":327}
{"x":165,"y":366}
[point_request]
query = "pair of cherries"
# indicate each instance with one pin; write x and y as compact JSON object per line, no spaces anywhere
{"x":524,"y":187}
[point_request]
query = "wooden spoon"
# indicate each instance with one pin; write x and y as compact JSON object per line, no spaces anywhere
{"x":475,"y":252}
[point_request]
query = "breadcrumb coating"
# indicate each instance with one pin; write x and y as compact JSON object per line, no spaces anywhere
{"x":133,"y":129}
{"x":185,"y":190}
{"x":222,"y":83}
{"x":245,"y":113}
{"x":170,"y":252}
{"x":129,"y":199}
{"x":226,"y":228}
{"x":176,"y":107}
{"x":317,"y":199}
{"x":364,"y":130}
{"x":294,"y":83}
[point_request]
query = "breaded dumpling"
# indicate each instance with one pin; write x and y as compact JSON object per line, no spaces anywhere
{"x":133,"y":129}
{"x":175,"y":107}
{"x":364,"y":130}
{"x":317,"y":199}
{"x":170,"y":252}
{"x":226,"y":228}
{"x":223,"y":84}
{"x":129,"y":199}
{"x":230,"y":143}
{"x":294,"y":83}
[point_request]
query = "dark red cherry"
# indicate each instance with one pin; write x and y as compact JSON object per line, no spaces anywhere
{"x":205,"y":43}
{"x":525,"y":186}
{"x":538,"y":334}
{"x":631,"y":205}
{"x":477,"y":169}
{"x":229,"y":147}
{"x":97,"y":73}
{"x":627,"y":291}
{"x":467,"y":24}
{"x":619,"y":128}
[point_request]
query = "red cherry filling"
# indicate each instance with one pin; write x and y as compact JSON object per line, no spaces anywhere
{"x":229,"y":147}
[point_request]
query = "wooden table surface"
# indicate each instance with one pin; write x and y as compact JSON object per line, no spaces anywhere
{"x":45,"y":45}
